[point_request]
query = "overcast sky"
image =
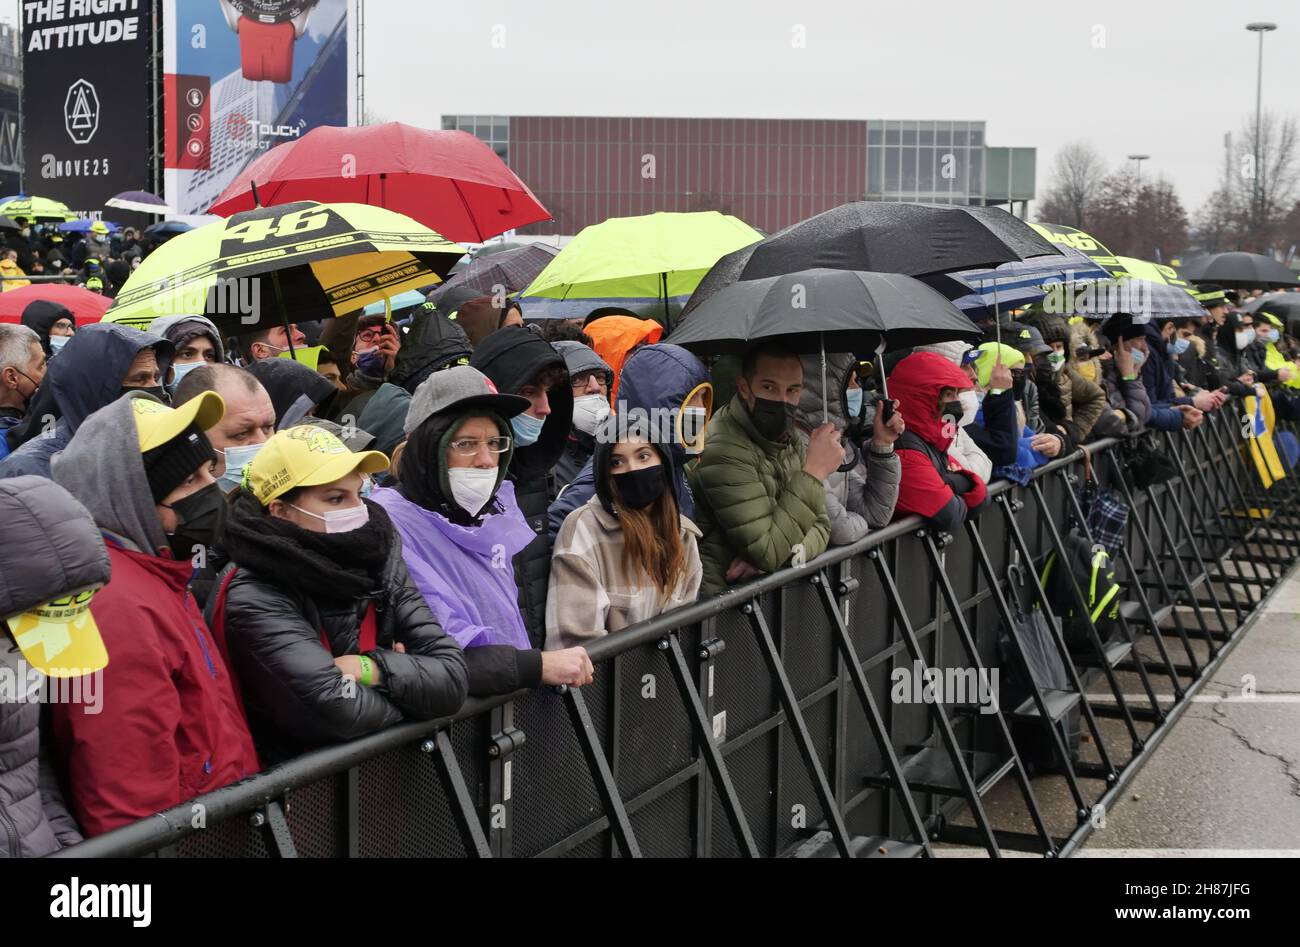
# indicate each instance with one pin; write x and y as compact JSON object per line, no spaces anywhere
{"x":1155,"y":76}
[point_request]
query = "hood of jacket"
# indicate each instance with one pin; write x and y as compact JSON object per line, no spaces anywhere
{"x":839,"y":365}
{"x":952,"y":351}
{"x":600,"y":470}
{"x":103,"y":468}
{"x":294,"y":389}
{"x":915,"y":383}
{"x":384,"y":416}
{"x":40,"y":314}
{"x":87,"y":374}
{"x":662,"y":377}
{"x":178,"y":330}
{"x":51,"y":546}
{"x":579,"y":358}
{"x":614,"y":338}
{"x":511,"y":358}
{"x":424,"y":479}
{"x":434,"y":342}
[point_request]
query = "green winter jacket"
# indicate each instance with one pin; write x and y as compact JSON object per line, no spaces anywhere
{"x":753,"y":499}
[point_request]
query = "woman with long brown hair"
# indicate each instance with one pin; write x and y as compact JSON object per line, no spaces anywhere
{"x":626,"y":555}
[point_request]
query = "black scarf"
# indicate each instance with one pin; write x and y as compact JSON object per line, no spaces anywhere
{"x":330,"y":566}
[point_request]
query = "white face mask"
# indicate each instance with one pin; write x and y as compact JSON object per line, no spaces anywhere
{"x":589,"y":412}
{"x":237,"y":458}
{"x":1245,"y":337}
{"x":970,"y":403}
{"x":472,"y":487}
{"x":341,"y":521}
{"x":693,"y":420}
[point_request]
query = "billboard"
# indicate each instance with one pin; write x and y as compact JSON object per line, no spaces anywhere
{"x":242,"y":76}
{"x":86,"y":77}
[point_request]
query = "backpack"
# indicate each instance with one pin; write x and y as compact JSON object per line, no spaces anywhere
{"x":1092,"y":570}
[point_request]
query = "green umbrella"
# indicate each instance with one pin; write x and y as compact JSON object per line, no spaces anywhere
{"x":36,"y":208}
{"x":638,"y":259}
{"x":325,"y":260}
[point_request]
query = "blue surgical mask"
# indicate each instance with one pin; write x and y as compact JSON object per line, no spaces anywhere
{"x":1274,"y":335}
{"x":1179,"y":346}
{"x":1138,"y":357}
{"x":59,"y":341}
{"x":182,"y":369}
{"x":527,"y":429}
{"x":853,"y":396}
{"x":237,"y":458}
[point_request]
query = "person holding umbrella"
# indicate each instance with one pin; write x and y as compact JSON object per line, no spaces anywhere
{"x":759,"y":493}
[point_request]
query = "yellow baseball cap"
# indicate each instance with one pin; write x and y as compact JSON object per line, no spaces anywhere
{"x":305,"y":456}
{"x":60,"y":638}
{"x":156,"y":424}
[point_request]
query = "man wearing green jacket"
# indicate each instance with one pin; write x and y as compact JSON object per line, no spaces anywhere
{"x":759,"y":495}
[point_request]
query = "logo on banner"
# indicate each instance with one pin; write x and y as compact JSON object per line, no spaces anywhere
{"x":81,"y":112}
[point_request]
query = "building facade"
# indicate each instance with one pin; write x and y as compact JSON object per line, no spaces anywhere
{"x":11,"y":146}
{"x":769,"y":172}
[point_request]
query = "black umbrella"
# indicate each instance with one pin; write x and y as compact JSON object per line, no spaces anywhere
{"x":511,"y":269}
{"x":883,"y":237}
{"x":1240,"y":269}
{"x":825,"y":310}
{"x":8,"y":223}
{"x":1286,"y":306}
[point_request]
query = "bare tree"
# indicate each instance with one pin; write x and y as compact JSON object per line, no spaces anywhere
{"x":1252,"y":209}
{"x":1146,"y":222}
{"x":1077,"y":174}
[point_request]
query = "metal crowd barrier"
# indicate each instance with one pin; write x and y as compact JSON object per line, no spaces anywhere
{"x":760,"y":722}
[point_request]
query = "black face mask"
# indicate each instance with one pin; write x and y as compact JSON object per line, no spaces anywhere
{"x":637,"y":489}
{"x":1018,"y":385}
{"x":952,"y":410}
{"x":772,"y":419}
{"x":198,"y":521}
{"x":157,"y":391}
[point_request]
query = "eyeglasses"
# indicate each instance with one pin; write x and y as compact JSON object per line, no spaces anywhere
{"x":370,"y":335}
{"x":469,"y":446}
{"x":580,"y":382}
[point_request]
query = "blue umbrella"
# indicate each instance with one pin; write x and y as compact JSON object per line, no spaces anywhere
{"x":83,"y":225}
{"x":401,"y":301}
{"x":1021,"y":283}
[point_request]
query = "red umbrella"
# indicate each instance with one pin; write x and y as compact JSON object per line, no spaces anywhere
{"x":447,"y":180}
{"x":85,"y":305}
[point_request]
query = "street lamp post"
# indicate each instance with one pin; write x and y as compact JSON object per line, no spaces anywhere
{"x":1257,"y":192}
{"x":1139,"y":159}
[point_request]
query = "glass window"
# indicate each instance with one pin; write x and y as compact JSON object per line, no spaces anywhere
{"x":909,"y":135}
{"x":976,"y":171}
{"x":907,"y":183}
{"x":977,"y":135}
{"x":892,"y":134}
{"x":925,"y":170}
{"x":943,"y":134}
{"x":449,"y":122}
{"x":960,"y":138}
{"x":891,"y":171}
{"x":876,"y":171}
{"x":875,"y":135}
{"x":500,"y":131}
{"x":925,"y":136}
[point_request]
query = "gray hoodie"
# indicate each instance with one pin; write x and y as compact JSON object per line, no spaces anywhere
{"x":103,"y":468}
{"x":862,"y":498}
{"x":51,"y":548}
{"x":178,"y":330}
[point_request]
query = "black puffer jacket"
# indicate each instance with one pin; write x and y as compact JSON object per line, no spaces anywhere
{"x":512,"y":357}
{"x":276,"y":608}
{"x":51,"y":548}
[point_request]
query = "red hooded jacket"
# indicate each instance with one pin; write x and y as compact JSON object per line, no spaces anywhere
{"x":168,"y":725}
{"x":916,"y":382}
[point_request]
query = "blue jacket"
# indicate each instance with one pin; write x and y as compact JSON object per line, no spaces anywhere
{"x":659,"y":376}
{"x":1158,"y":379}
{"x":86,"y":376}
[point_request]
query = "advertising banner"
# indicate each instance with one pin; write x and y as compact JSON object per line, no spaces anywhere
{"x":242,"y":76}
{"x":86,"y":129}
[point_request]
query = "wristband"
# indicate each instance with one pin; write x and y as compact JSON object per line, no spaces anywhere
{"x":1129,"y":377}
{"x":366,"y":671}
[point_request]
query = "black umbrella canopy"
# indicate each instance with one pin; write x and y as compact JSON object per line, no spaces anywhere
{"x":825,"y":310}
{"x":1240,"y":269}
{"x":513,"y":269}
{"x":1286,"y":306}
{"x":882,"y":237}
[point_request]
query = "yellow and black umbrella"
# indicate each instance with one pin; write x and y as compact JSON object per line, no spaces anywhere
{"x":285,"y":263}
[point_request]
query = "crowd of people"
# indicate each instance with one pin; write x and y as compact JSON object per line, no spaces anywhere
{"x":307,"y":533}
{"x":98,"y":260}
